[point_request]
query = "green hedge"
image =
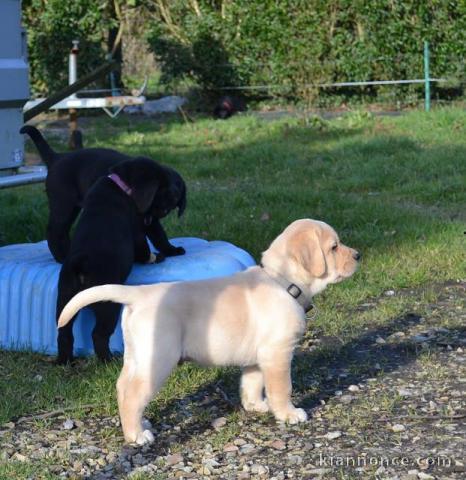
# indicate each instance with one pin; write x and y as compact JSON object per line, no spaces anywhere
{"x":290,"y":44}
{"x":51,"y":26}
{"x":297,"y":43}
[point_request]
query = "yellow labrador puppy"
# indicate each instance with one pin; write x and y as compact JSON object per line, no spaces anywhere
{"x":252,"y":319}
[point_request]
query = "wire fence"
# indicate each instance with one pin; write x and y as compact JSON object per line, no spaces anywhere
{"x":422,"y":66}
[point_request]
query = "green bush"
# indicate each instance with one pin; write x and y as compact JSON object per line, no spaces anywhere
{"x":293,"y":44}
{"x":51,"y":26}
{"x":289,"y":45}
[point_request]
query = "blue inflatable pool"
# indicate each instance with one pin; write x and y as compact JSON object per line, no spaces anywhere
{"x":28,"y":290}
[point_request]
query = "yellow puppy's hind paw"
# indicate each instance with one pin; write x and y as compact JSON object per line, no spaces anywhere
{"x":260,"y":406}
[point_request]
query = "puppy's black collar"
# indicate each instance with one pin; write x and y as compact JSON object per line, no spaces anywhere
{"x":293,"y":290}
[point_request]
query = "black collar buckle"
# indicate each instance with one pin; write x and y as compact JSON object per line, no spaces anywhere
{"x":294,"y":290}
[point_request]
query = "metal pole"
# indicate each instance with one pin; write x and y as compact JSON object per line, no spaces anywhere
{"x":73,"y":65}
{"x":67,"y":91}
{"x":113,"y":83}
{"x":20,"y":179}
{"x":426,"y":76}
{"x":73,"y":78}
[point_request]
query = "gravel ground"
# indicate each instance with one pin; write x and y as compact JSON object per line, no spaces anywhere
{"x":389,"y":404}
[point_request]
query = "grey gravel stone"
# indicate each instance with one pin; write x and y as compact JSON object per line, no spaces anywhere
{"x":68,"y":425}
{"x":258,"y":469}
{"x":412,"y":474}
{"x":230,"y":448}
{"x":295,"y":459}
{"x":404,"y":392}
{"x":278,"y":445}
{"x":425,"y":476}
{"x":247,"y":448}
{"x":174,"y":459}
{"x":239,"y":442}
{"x":219,"y":423}
{"x":398,"y":428}
{"x":20,"y":458}
{"x":345,"y":399}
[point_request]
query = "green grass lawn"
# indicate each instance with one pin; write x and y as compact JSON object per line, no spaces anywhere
{"x":394,"y":188}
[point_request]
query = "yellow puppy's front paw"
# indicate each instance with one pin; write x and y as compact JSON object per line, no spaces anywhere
{"x":145,"y":437}
{"x":292,"y":415}
{"x":260,"y":406}
{"x":152,"y":258}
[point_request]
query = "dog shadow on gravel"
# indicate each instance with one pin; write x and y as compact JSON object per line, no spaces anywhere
{"x":337,"y":365}
{"x":317,"y":374}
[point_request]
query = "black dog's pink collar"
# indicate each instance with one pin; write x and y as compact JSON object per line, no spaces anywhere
{"x":227,"y":104}
{"x":116,"y":179}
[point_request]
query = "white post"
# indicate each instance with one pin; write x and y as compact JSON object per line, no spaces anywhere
{"x":73,"y":65}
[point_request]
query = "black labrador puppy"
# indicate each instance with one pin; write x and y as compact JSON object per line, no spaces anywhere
{"x":108,"y":239}
{"x":72,"y":174}
{"x":227,"y":106}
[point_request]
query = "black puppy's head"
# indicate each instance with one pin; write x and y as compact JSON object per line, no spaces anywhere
{"x":170,"y":195}
{"x":225,"y":108}
{"x":228,"y":105}
{"x":144,"y":177}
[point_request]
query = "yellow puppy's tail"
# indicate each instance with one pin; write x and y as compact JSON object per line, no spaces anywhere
{"x":114,"y":293}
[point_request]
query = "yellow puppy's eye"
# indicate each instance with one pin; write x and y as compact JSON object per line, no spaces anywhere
{"x":335,"y":247}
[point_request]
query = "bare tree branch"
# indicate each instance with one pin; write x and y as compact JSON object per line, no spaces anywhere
{"x":119,"y":35}
{"x":196,"y":8}
{"x":56,"y":413}
{"x":223,"y":10}
{"x":167,"y":19}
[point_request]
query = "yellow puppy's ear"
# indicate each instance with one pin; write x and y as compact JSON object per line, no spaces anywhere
{"x":305,"y":248}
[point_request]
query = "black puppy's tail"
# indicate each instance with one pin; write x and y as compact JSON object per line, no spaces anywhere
{"x":182,"y":201}
{"x":76,"y":140}
{"x":45,"y":151}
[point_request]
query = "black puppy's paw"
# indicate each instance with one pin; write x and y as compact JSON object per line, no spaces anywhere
{"x":106,"y":357}
{"x":153,"y":258}
{"x":64,"y":360}
{"x":160,"y":257}
{"x":174,"y":251}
